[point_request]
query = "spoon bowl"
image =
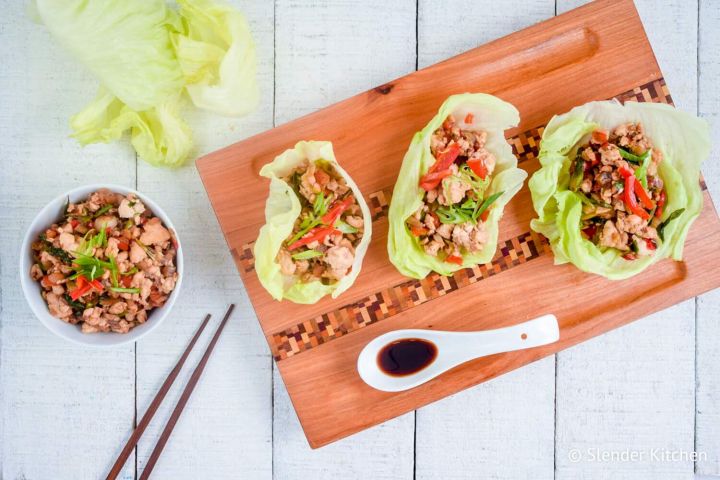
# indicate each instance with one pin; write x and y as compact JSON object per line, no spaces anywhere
{"x":453,"y":349}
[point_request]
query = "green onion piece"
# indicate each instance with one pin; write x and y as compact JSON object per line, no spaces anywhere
{"x":124,"y":290}
{"x":307,"y":254}
{"x":469,"y":204}
{"x":303,"y":231}
{"x":453,"y":215}
{"x":630,"y":157}
{"x":345,"y":227}
{"x":113,"y":272}
{"x":673,"y":216}
{"x":102,"y":210}
{"x":578,"y":174}
{"x":641,"y":171}
{"x":486,"y":204}
{"x":67,"y":205}
{"x":652,"y":214}
{"x":319,"y":204}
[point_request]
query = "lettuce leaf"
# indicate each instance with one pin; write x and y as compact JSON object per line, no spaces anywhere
{"x":146,"y":55}
{"x":685,"y":143}
{"x":159,"y":135}
{"x":216,"y":53}
{"x":282,"y":209}
{"x":492,"y":115}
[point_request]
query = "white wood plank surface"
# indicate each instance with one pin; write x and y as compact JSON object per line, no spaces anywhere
{"x":504,"y":428}
{"x":64,"y":406}
{"x":226,"y":428}
{"x":634,"y":388}
{"x":708,"y":306}
{"x":326,"y":51}
{"x":66,"y":410}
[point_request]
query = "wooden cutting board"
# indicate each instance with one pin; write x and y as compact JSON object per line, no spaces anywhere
{"x":595,"y":52}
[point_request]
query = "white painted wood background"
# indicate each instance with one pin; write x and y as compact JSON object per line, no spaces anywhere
{"x":67,"y":410}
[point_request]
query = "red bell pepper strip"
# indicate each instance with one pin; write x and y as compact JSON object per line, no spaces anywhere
{"x":74,"y":223}
{"x":600,"y":137}
{"x":321,"y":177}
{"x":419,"y":231}
{"x":441,"y":168}
{"x":484,"y":215}
{"x":643,"y":196}
{"x":625,"y":172}
{"x":336,"y":210}
{"x":469,"y":118}
{"x":478,"y":166}
{"x":446,"y":158}
{"x":317,"y":234}
{"x":660,"y":204}
{"x":83,"y":286}
{"x":430,"y":181}
{"x":629,"y":194}
{"x":79,"y":292}
{"x":454,"y":259}
{"x":650,"y":244}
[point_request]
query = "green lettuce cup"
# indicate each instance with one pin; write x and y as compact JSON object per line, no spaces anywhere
{"x":317,"y":226}
{"x":666,"y":198}
{"x":456,"y":178}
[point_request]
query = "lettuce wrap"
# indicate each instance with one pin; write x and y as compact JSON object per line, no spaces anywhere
{"x":683,"y":143}
{"x":317,"y":229}
{"x":470,"y":196}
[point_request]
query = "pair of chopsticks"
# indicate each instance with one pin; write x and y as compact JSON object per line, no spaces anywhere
{"x":177,"y":411}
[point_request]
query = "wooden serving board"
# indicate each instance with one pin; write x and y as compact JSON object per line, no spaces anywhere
{"x":595,"y":52}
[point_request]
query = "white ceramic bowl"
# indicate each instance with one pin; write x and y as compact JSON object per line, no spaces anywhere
{"x":52,"y":213}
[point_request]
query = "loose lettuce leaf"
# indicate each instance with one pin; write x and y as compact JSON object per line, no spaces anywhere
{"x":685,"y":143}
{"x":492,"y":115}
{"x":282,"y":209}
{"x":160,"y":136}
{"x":124,"y":43}
{"x":146,"y":55}
{"x":217,"y":57}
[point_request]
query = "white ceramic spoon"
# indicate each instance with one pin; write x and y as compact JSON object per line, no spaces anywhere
{"x":453,"y":348}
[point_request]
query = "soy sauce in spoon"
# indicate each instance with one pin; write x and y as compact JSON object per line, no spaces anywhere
{"x":406,"y":356}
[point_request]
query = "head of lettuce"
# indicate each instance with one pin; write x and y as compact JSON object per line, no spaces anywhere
{"x":147,"y":56}
{"x":618,"y":186}
{"x":455,"y":180}
{"x":317,"y":226}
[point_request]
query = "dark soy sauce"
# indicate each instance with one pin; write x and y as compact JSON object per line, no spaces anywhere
{"x":406,"y":356}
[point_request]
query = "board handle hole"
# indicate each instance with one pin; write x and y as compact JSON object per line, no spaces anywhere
{"x":524,"y":336}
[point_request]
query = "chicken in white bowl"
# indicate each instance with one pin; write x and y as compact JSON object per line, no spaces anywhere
{"x":106,"y":264}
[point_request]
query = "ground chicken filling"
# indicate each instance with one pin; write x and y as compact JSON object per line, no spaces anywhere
{"x":107,"y":264}
{"x":330,"y":226}
{"x":616,"y":176}
{"x":451,"y":221}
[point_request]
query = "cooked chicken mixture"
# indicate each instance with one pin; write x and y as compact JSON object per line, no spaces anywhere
{"x":616,"y":176}
{"x":329,"y":228}
{"x":451,"y":221}
{"x":107,"y":264}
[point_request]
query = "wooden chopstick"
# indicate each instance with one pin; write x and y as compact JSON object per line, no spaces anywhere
{"x":165,"y":435}
{"x":159,"y":397}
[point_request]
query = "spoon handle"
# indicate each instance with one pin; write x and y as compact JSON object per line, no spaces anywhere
{"x":533,"y":333}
